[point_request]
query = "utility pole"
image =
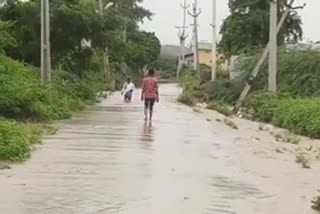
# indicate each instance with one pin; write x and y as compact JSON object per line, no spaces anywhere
{"x":272,"y":81}
{"x":45,"y":42}
{"x":124,"y":37}
{"x":123,"y":64}
{"x":101,"y":7}
{"x":105,"y":51}
{"x":182,"y":37}
{"x":195,"y":13}
{"x":214,"y":41}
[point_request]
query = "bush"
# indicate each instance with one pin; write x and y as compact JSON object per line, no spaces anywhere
{"x":298,"y":75}
{"x":167,"y":67}
{"x":300,"y":115}
{"x":220,"y":107}
{"x":23,"y":96}
{"x":264,"y":104}
{"x":224,"y":90}
{"x":206,"y":73}
{"x":187,"y":99}
{"x":189,"y":80}
{"x":16,"y":140}
{"x":190,"y":85}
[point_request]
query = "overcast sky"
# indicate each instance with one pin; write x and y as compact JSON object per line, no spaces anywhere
{"x":168,"y":14}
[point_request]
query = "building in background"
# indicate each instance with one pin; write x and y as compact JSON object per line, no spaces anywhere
{"x":303,"y":46}
{"x":205,"y":57}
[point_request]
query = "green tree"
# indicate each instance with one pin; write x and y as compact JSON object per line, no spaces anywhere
{"x":75,"y":20}
{"x":6,"y":39}
{"x":142,"y":49}
{"x":247,"y":27}
{"x":166,"y":66}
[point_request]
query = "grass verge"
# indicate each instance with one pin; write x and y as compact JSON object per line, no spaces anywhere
{"x":16,"y":140}
{"x":220,"y":107}
{"x":299,"y":115}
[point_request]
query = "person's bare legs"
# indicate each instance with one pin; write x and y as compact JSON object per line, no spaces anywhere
{"x":146,"y":107}
{"x":151,"y":113}
{"x":145,"y":113}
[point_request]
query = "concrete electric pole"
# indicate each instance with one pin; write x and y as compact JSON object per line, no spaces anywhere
{"x":272,"y":81}
{"x":182,"y":38}
{"x":104,"y":61}
{"x":214,"y":41}
{"x":195,"y":13}
{"x":106,"y":69}
{"x":45,"y":42}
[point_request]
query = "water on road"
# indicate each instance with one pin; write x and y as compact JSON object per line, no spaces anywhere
{"x":108,"y":160}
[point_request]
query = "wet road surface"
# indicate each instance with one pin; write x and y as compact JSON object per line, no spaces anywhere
{"x":108,"y":160}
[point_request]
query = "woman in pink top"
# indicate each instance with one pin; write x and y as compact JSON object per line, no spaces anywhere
{"x":150,"y":93}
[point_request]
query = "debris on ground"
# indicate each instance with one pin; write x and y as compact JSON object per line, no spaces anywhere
{"x":103,"y":95}
{"x":303,"y":160}
{"x":310,"y":148}
{"x":197,"y":110}
{"x":285,"y":137}
{"x":202,"y":105}
{"x":265,"y":127}
{"x":279,"y":150}
{"x":50,"y":129}
{"x":256,"y":138}
{"x":244,"y":114}
{"x":4,"y":166}
{"x":230,"y":123}
{"x":316,"y":203}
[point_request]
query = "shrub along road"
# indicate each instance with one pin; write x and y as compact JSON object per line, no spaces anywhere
{"x":107,"y":160}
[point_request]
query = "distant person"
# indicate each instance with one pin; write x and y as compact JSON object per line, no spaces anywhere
{"x":150,"y":93}
{"x":127,"y":90}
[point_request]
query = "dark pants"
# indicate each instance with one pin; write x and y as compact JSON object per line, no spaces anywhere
{"x":149,"y":103}
{"x":128,"y":95}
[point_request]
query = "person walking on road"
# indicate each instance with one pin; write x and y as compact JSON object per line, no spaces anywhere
{"x":127,"y":90}
{"x":150,"y":93}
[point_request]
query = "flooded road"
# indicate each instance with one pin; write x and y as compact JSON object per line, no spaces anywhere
{"x":107,"y":160}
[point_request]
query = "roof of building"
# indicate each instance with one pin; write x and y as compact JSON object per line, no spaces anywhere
{"x":205,"y":46}
{"x":172,"y":51}
{"x":303,"y":46}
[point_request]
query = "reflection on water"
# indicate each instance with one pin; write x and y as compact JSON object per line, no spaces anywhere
{"x":147,"y":137}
